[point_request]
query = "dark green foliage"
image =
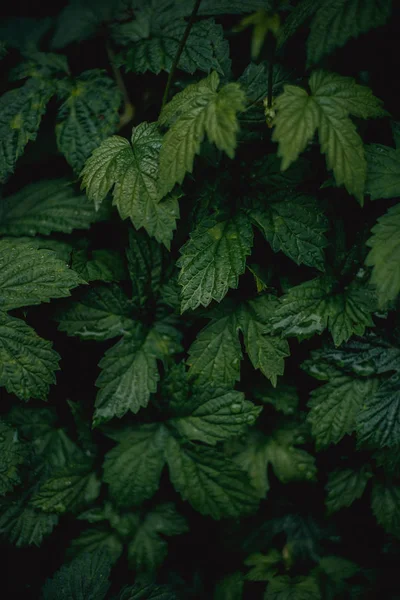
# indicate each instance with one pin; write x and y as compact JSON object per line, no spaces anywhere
{"x":200,"y":276}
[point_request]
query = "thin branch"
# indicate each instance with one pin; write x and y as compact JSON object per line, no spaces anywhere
{"x":129,"y":109}
{"x":179,"y":53}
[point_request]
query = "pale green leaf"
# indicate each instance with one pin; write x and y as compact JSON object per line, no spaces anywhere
{"x":133,"y":468}
{"x":334,"y":407}
{"x":385,"y":504}
{"x":12,"y":453}
{"x":101,"y":314}
{"x":345,"y":486}
{"x":212,"y":484}
{"x":21,"y":111}
{"x":88,"y":115}
{"x":294,"y":224}
{"x":336,"y":22}
{"x":383,"y":177}
{"x":378,"y":420}
{"x":27,"y":362}
{"x":213,"y":259}
{"x":384,"y":256}
{"x":46,"y":206}
{"x":31,"y":276}
{"x":212,"y":415}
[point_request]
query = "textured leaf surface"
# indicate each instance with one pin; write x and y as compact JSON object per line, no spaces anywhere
{"x":383,"y":180}
{"x":334,"y":407}
{"x":46,"y":206}
{"x":12,"y":454}
{"x":213,"y":259}
{"x":336,"y":22}
{"x":146,"y":591}
{"x":85,"y":578}
{"x":198,"y":110}
{"x":31,"y":276}
{"x":295,"y":225}
{"x":345,"y":486}
{"x":378,"y":421}
{"x":21,"y":111}
{"x":211,"y":483}
{"x":99,"y":265}
{"x":98,"y":538}
{"x":211,"y":415}
{"x":385,"y":504}
{"x":23,"y":525}
{"x":101,"y":314}
{"x":27,"y":362}
{"x":88,"y":115}
{"x":145,"y":266}
{"x":133,"y":467}
{"x":384,"y":256}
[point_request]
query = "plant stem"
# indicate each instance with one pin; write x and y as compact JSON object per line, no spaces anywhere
{"x":129,"y":109}
{"x":179,"y":52}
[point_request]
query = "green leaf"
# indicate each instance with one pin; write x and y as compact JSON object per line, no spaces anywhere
{"x":264,"y":566}
{"x":67,"y":489}
{"x":334,"y":407}
{"x":383,"y":177}
{"x":215,"y":355}
{"x":12,"y":454}
{"x":212,"y":415}
{"x":88,"y":115}
{"x":266,"y":351}
{"x":310,"y":307}
{"x":85,"y":578}
{"x":284,"y":398}
{"x":210,"y":482}
{"x":146,"y":268}
{"x":148,"y":548}
{"x":345,"y":486}
{"x":378,"y":420}
{"x":102,"y":265}
{"x":292,"y":588}
{"x":21,"y":112}
{"x":24,"y":33}
{"x":133,"y":169}
{"x":230,"y":587}
{"x":297,"y":16}
{"x":27,"y":362}
{"x":336,"y":22}
{"x":23,"y":525}
{"x":213,"y":259}
{"x":294,"y":224}
{"x":385,"y":504}
{"x":46,"y":206}
{"x":146,"y":591}
{"x":101,"y":314}
{"x":31,"y":276}
{"x":204,"y":50}
{"x":384,"y":256}
{"x":133,"y":468}
{"x":129,"y":370}
{"x":97,"y":538}
{"x":198,"y":110}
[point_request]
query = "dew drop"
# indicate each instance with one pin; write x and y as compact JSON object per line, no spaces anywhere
{"x":236,"y":408}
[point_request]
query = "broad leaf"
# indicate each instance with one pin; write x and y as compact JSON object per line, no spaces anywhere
{"x":133,"y":468}
{"x":345,"y":486}
{"x":98,"y":538}
{"x":383,"y":177}
{"x":196,"y":111}
{"x":27,"y":362}
{"x":334,"y":407}
{"x":211,"y":483}
{"x":213,"y":259}
{"x":101,"y":314}
{"x":384,"y":256}
{"x":378,"y":420}
{"x":31,"y":276}
{"x":23,"y":525}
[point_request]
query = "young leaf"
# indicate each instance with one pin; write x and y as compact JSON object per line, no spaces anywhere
{"x":129,"y":371}
{"x":88,"y":115}
{"x":101,"y":314}
{"x":210,"y":482}
{"x":383,"y":177}
{"x":133,"y":468}
{"x":384,"y":256}
{"x":12,"y":453}
{"x":385,"y":504}
{"x":336,"y":22}
{"x":27,"y":362}
{"x":211,"y":415}
{"x":294,"y":224}
{"x":21,"y":112}
{"x":345,"y":486}
{"x":85,"y":578}
{"x":213,"y":259}
{"x":198,"y":110}
{"x":31,"y":276}
{"x":46,"y":206}
{"x":378,"y":420}
{"x":334,"y":407}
